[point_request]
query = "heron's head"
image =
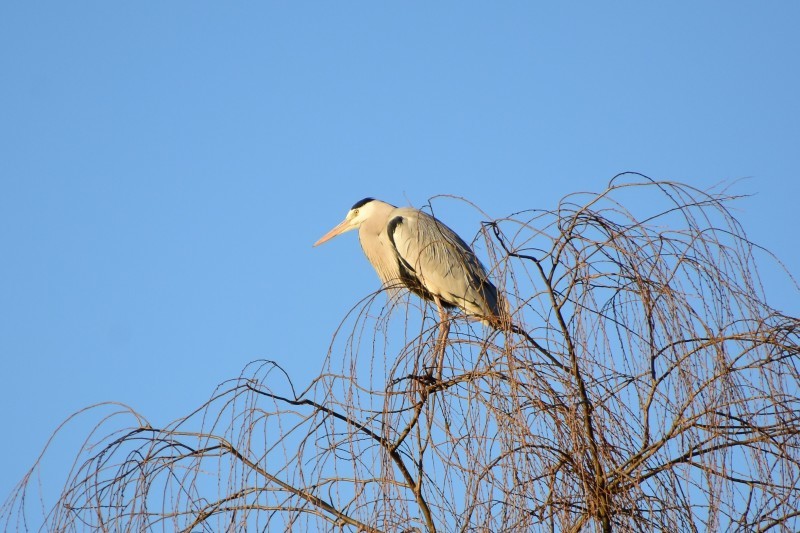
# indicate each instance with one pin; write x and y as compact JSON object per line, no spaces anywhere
{"x":360,"y":212}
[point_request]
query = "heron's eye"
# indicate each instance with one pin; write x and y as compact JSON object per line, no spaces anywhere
{"x":355,"y":212}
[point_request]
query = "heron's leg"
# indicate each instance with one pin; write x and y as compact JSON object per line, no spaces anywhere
{"x":444,"y":331}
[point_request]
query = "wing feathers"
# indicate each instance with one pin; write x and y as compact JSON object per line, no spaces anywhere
{"x":434,"y":260}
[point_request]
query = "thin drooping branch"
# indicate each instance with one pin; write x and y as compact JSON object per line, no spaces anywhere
{"x":305,"y":495}
{"x":640,"y":381}
{"x":389,"y":447}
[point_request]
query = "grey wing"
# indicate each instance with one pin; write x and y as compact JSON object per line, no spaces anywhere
{"x":443,"y":264}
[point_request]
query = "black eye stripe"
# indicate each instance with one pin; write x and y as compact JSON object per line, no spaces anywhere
{"x":362,"y":202}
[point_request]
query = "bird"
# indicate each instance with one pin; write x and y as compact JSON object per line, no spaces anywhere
{"x":411,"y":249}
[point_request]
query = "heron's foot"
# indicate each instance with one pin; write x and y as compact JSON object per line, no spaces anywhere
{"x":427,"y":378}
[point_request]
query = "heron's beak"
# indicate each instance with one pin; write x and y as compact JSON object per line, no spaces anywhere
{"x":344,"y":225}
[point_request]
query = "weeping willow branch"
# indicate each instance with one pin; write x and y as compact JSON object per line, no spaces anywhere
{"x":640,"y":382}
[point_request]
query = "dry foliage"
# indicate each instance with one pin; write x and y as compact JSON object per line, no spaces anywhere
{"x":642,"y":383}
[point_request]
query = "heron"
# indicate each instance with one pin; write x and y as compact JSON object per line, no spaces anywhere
{"x":412,"y":249}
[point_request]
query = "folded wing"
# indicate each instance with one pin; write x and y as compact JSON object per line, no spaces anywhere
{"x":434,"y":260}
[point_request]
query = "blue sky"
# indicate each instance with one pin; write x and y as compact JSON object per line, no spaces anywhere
{"x":165,"y":168}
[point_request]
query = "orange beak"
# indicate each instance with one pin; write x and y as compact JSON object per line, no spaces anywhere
{"x":342,"y":227}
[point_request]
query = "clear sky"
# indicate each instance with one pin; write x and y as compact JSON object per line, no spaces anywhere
{"x":166,"y":166}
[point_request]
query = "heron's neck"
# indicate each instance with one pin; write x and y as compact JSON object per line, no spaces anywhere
{"x":376,"y":223}
{"x":372,"y":226}
{"x":376,"y":244}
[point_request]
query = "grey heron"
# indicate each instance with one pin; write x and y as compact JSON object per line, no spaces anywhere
{"x":412,"y":249}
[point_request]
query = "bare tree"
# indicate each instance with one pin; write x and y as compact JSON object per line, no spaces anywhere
{"x":641,"y":382}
